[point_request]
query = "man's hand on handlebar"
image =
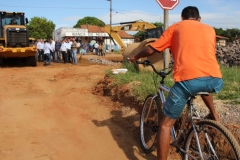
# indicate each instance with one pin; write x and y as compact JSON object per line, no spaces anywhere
{"x":145,"y":52}
{"x":132,"y":59}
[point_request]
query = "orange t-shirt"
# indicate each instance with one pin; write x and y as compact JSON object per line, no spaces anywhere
{"x":193,"y":47}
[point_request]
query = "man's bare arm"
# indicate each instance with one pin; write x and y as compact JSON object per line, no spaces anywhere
{"x":145,"y":52}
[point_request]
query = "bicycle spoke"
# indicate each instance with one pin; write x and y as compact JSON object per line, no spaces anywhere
{"x":214,"y":143}
{"x":149,"y":124}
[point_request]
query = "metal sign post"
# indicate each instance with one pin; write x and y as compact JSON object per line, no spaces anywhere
{"x":166,"y":51}
{"x":167,"y":5}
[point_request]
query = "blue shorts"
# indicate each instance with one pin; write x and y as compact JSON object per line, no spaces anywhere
{"x":181,"y":91}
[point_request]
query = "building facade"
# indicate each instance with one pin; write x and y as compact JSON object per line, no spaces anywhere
{"x":88,"y":34}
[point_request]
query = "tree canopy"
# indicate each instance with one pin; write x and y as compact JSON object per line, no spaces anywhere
{"x":158,"y":24}
{"x":40,"y":28}
{"x":230,"y":33}
{"x":89,"y":20}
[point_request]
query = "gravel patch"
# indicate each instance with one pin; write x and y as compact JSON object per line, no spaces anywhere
{"x":103,"y":61}
{"x":229,"y":114}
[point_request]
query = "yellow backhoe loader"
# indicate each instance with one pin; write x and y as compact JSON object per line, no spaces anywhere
{"x":151,"y":32}
{"x":14,"y":38}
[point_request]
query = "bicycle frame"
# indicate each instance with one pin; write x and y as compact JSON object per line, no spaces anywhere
{"x":162,"y":88}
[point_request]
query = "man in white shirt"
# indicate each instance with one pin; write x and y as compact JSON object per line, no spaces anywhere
{"x":47,"y":50}
{"x":63,"y":49}
{"x":96,"y":45}
{"x":69,"y":50}
{"x":52,"y":53}
{"x":40,"y":46}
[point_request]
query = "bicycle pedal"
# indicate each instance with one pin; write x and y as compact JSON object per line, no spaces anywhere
{"x":175,"y":144}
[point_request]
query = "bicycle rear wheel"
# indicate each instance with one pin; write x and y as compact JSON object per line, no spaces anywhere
{"x":149,"y":123}
{"x":221,"y":141}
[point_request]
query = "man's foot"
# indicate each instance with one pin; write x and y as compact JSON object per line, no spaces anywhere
{"x":214,"y":117}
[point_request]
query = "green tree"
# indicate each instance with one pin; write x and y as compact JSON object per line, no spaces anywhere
{"x":158,"y":24}
{"x":230,"y":33}
{"x":89,"y":20}
{"x":40,"y":28}
{"x":233,"y":33}
{"x":219,"y":31}
{"x":139,"y":36}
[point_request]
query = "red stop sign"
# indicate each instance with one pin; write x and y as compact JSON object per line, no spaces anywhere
{"x":168,"y":4}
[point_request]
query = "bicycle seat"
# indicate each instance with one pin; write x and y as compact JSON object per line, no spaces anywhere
{"x":202,"y":93}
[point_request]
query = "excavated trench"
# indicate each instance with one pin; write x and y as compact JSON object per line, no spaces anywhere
{"x":129,"y":109}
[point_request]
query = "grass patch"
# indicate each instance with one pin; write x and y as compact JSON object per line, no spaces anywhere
{"x":150,"y":81}
{"x":231,"y":89}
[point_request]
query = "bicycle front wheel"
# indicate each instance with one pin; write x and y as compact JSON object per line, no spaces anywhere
{"x":149,"y":123}
{"x":216,"y":142}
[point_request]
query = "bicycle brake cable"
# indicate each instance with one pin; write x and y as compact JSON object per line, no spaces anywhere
{"x":155,"y":80}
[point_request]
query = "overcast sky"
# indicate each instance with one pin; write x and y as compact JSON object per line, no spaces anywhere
{"x":217,"y":13}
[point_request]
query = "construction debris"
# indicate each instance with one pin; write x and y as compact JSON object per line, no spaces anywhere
{"x":229,"y":54}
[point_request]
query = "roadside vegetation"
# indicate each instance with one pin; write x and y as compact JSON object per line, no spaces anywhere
{"x":231,"y":89}
{"x":142,"y":82}
{"x":146,"y":82}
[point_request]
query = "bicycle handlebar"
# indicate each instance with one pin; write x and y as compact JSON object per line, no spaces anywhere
{"x":161,"y":73}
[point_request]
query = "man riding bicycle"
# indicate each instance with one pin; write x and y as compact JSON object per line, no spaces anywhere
{"x":195,"y":69}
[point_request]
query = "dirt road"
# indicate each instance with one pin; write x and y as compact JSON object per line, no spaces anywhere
{"x":50,"y":113}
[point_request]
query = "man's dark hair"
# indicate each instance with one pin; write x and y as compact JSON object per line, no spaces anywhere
{"x":190,"y":12}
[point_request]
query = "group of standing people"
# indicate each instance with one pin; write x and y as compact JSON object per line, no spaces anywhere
{"x":65,"y":51}
{"x":69,"y":50}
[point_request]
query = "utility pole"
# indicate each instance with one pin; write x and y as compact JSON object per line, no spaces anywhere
{"x":110,"y":46}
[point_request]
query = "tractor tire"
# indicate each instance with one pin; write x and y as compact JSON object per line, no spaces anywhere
{"x":1,"y":61}
{"x":31,"y":61}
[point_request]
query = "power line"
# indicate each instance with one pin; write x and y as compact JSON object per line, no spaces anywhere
{"x":117,"y":10}
{"x":52,"y":7}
